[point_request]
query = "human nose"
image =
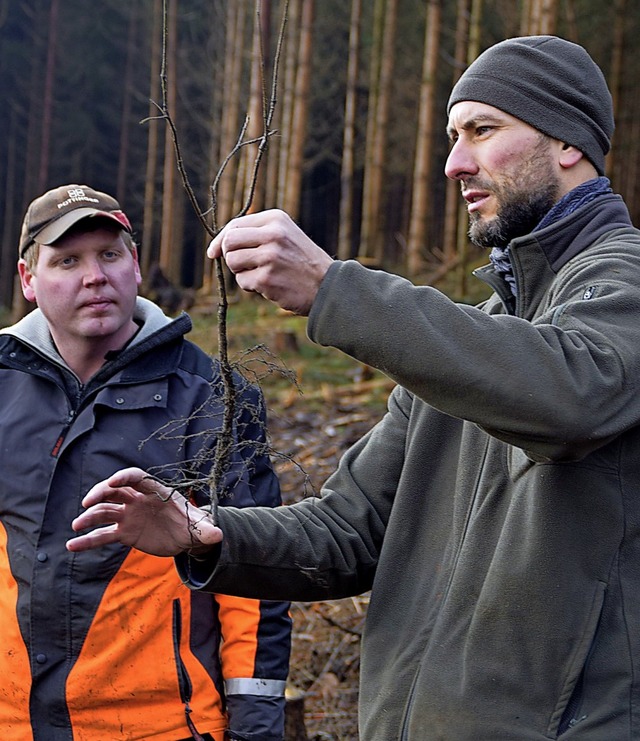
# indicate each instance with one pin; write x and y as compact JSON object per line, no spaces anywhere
{"x":94,"y":273}
{"x":460,"y":162}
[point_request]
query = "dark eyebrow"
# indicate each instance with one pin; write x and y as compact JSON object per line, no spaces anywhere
{"x":474,"y":122}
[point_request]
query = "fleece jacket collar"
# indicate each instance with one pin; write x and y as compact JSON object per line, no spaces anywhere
{"x":537,"y":257}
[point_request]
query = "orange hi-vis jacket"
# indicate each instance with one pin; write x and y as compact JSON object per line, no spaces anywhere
{"x":109,"y":645}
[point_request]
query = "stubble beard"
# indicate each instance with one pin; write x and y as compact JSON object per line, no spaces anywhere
{"x":523,"y":200}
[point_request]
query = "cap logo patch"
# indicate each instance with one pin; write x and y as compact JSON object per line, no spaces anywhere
{"x":75,"y":195}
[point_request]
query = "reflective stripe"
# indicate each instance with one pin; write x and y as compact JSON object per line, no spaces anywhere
{"x":248,"y":686}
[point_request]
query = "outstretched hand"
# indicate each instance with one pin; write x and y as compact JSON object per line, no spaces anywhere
{"x":270,"y":255}
{"x":137,"y":510}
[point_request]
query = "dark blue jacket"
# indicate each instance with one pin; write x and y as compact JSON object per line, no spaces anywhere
{"x":109,"y":644}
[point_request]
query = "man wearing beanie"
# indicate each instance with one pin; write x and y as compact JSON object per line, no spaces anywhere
{"x":494,"y":512}
{"x":110,"y":646}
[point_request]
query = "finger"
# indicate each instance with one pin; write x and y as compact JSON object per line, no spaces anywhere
{"x":253,"y":230}
{"x":96,"y":538}
{"x":215,"y":248}
{"x":129,"y":477}
{"x":104,"y":513}
{"x":122,"y":487}
{"x":104,"y":492}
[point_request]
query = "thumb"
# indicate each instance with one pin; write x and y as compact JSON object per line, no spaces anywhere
{"x":214,"y":250}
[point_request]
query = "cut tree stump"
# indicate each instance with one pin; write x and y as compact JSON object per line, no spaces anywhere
{"x":294,"y":727}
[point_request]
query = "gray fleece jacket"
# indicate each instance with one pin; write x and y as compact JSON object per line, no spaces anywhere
{"x":494,"y":511}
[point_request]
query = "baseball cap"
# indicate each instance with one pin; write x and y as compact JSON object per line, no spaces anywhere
{"x":52,"y":214}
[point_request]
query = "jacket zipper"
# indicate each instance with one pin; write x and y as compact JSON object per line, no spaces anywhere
{"x":55,"y":451}
{"x":184,"y":681}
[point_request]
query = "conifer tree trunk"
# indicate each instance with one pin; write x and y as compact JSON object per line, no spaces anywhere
{"x":256,"y":113}
{"x":292,"y":47}
{"x":236,"y":24}
{"x":367,"y":227}
{"x":148,"y":220}
{"x":374,"y":168}
{"x":47,"y":104}
{"x":8,"y":248}
{"x":615,"y":75}
{"x":475,"y":29}
{"x":571,"y":21}
{"x":37,"y":57}
{"x":272,"y":159}
{"x":548,"y":17}
{"x":125,"y":120}
{"x":420,"y":203}
{"x":300,"y":111}
{"x":220,"y":31}
{"x":170,"y":244}
{"x":453,"y":203}
{"x":539,"y":17}
{"x":345,"y":227}
{"x":40,"y":57}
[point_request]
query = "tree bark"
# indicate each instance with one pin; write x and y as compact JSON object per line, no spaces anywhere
{"x":292,"y":48}
{"x":615,"y":75}
{"x":37,"y":57}
{"x":420,"y":204}
{"x":300,"y":111}
{"x":125,"y":120}
{"x":345,"y":227}
{"x":453,"y":202}
{"x":371,"y":237}
{"x":236,"y":23}
{"x":255,"y":129}
{"x":475,"y":28}
{"x":47,"y":104}
{"x":149,"y":212}
{"x":170,"y":243}
{"x":8,"y":248}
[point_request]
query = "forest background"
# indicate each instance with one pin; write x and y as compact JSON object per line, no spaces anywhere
{"x":357,"y":159}
{"x":358,"y":151}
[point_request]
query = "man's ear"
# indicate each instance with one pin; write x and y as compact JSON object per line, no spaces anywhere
{"x":569,"y":155}
{"x":26,"y":279}
{"x":136,"y":263}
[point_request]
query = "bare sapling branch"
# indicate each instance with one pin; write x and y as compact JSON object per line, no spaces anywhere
{"x":225,"y":439}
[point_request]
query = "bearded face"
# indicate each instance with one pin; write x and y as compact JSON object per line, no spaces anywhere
{"x":523,"y":195}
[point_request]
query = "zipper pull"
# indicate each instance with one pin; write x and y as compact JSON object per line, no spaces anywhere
{"x":61,"y":437}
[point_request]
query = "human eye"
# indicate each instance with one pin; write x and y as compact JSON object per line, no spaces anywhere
{"x":483,"y":129}
{"x":66,"y":261}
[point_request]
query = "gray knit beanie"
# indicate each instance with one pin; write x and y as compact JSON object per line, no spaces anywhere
{"x":549,"y":83}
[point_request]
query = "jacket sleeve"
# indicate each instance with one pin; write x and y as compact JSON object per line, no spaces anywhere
{"x":256,"y":635}
{"x":255,"y":661}
{"x":527,"y":382}
{"x":323,"y":547}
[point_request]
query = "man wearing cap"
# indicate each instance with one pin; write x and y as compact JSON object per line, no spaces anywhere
{"x":110,"y":644}
{"x":494,"y":512}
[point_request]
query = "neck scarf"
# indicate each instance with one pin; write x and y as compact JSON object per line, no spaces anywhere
{"x":570,"y":202}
